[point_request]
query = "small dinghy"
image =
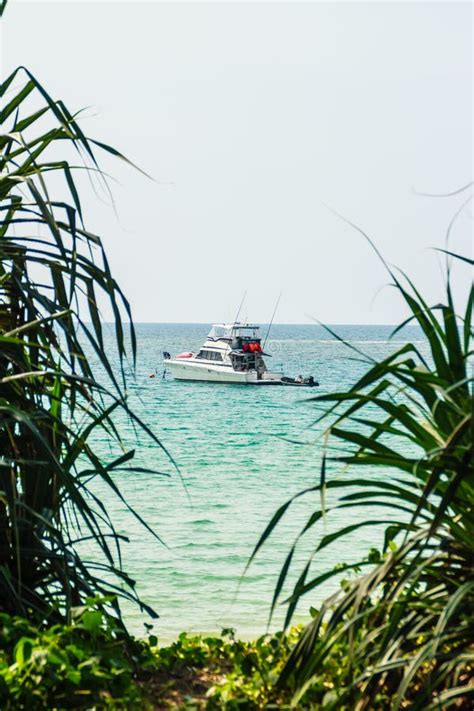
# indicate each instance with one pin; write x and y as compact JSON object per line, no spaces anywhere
{"x":309,"y":382}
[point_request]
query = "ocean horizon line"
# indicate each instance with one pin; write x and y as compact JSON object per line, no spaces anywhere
{"x":259,"y":323}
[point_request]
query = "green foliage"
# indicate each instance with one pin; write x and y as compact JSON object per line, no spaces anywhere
{"x":223,"y":672}
{"x":213,"y":673}
{"x":86,"y":664}
{"x":90,"y":663}
{"x":251,"y":682}
{"x":239,"y":674}
{"x":59,"y":386}
{"x":407,"y":623}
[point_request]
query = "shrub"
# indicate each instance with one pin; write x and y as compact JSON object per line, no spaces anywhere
{"x":86,"y":664}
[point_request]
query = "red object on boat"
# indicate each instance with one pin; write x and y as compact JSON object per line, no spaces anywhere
{"x":187,"y":354}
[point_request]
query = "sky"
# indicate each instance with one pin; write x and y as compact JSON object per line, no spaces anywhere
{"x":267,"y":129}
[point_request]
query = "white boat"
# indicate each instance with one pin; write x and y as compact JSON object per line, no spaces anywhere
{"x":232,"y":353}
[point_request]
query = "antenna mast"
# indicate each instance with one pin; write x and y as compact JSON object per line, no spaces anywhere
{"x":240,"y":307}
{"x":271,"y":321}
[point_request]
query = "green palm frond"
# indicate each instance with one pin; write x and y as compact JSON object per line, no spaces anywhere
{"x":406,"y":624}
{"x":58,"y":386}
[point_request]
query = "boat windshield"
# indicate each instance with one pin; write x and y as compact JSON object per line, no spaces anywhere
{"x":220,"y":332}
{"x":232,"y":331}
{"x":249,"y":332}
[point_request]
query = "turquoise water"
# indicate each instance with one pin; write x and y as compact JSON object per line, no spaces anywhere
{"x":242,"y":452}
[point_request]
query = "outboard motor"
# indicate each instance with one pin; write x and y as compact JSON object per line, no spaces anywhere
{"x":166,"y":355}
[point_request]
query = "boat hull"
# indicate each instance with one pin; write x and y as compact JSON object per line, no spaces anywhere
{"x":190,"y":370}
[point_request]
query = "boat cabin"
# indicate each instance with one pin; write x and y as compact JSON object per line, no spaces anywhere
{"x":237,"y":345}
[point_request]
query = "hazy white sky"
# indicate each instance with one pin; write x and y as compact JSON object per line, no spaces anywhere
{"x":252,"y":117}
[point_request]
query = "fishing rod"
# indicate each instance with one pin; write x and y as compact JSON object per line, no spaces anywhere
{"x":240,"y":307}
{"x":271,"y":321}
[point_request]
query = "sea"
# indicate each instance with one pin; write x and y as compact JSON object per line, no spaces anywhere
{"x":227,"y":457}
